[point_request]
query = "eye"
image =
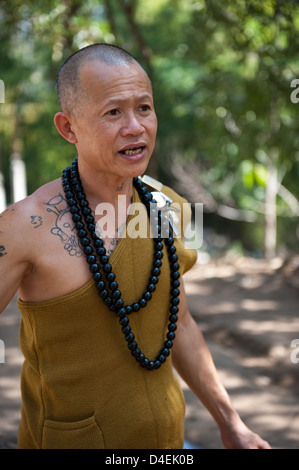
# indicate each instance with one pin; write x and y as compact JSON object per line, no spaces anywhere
{"x":145,"y":107}
{"x":113,"y":112}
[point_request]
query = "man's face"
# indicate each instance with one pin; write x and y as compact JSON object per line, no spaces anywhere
{"x":116,"y":128}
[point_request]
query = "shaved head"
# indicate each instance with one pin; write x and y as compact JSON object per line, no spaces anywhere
{"x":70,"y":92}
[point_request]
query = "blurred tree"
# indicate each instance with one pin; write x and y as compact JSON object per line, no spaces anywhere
{"x":221,"y":73}
{"x":228,"y":81}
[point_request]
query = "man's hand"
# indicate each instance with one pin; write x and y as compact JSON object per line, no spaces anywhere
{"x":240,"y":437}
{"x":193,"y":361}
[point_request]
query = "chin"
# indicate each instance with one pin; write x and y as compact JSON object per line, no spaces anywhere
{"x":140,"y":171}
{"x":135,"y":170}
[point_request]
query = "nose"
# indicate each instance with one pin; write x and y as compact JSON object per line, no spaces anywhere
{"x":132,"y":125}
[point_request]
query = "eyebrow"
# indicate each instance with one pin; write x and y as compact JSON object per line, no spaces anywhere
{"x":112,"y":101}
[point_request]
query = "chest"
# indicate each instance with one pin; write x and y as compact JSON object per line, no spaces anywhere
{"x":61,"y":267}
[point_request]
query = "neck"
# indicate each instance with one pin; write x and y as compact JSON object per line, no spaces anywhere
{"x":100,"y":187}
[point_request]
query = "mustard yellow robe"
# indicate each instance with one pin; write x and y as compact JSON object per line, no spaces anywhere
{"x":81,"y":387}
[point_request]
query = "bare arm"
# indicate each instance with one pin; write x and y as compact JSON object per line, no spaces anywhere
{"x":14,"y":263}
{"x":193,"y":361}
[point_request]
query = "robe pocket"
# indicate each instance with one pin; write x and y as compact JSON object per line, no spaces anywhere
{"x":84,"y":434}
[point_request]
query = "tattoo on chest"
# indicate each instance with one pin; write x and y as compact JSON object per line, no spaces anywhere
{"x":112,"y":242}
{"x":64,"y":227}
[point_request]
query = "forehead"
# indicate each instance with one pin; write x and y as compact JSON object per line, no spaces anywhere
{"x":104,"y":81}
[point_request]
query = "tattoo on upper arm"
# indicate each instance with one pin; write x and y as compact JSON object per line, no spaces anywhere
{"x":64,"y":228}
{"x":36,"y":221}
{"x":3,"y":215}
{"x":2,"y":251}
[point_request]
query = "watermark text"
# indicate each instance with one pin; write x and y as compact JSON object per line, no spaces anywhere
{"x":2,"y":352}
{"x":295,"y":94}
{"x":173,"y":220}
{"x":295,"y":353}
{"x":2,"y":91}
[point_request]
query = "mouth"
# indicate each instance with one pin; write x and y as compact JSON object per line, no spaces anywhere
{"x":133,"y":150}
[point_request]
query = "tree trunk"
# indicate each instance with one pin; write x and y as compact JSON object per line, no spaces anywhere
{"x":18,"y":173}
{"x":270,"y":213}
{"x":128,"y":8}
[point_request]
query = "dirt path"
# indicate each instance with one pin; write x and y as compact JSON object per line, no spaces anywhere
{"x":248,"y":311}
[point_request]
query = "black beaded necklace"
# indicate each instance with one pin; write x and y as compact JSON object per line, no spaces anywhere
{"x":108,"y":290}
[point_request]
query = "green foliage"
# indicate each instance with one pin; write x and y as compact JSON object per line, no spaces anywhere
{"x":221,"y":74}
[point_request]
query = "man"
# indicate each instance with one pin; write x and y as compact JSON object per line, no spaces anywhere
{"x":83,"y":384}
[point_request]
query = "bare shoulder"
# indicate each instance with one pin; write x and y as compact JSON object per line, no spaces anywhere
{"x":38,"y":204}
{"x":24,"y":227}
{"x":29,"y":213}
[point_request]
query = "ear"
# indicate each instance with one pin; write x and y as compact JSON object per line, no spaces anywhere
{"x":63,"y":124}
